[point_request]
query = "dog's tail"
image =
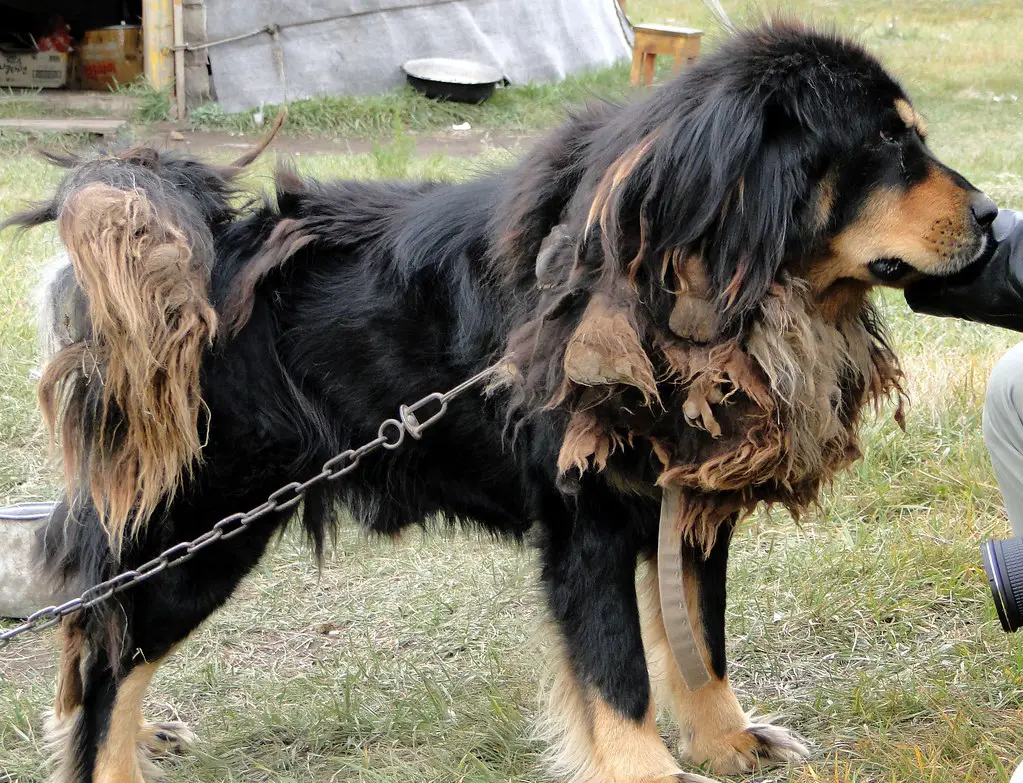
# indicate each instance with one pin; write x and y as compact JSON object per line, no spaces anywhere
{"x":126,"y":399}
{"x":133,"y":320}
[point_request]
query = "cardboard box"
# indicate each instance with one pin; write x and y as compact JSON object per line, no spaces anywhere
{"x":111,"y":56}
{"x":33,"y":69}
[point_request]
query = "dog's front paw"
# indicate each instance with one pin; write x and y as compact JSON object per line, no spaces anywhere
{"x":169,"y":738}
{"x":759,"y":744}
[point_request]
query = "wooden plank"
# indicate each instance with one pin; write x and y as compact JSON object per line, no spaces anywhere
{"x":158,"y":42}
{"x":61,"y":102}
{"x":64,"y":125}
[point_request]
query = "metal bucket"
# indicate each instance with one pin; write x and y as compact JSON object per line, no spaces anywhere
{"x":22,"y":588}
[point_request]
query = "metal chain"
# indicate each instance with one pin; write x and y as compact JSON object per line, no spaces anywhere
{"x":390,"y":435}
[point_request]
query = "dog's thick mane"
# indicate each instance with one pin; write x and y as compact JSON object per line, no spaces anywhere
{"x":674,"y":288}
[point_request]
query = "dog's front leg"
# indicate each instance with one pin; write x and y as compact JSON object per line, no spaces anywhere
{"x":601,"y":718}
{"x":715,"y":730}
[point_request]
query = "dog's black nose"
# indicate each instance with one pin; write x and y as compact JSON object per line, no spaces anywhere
{"x":984,"y":209}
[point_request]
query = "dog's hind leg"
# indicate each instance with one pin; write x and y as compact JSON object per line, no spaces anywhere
{"x":93,"y":731}
{"x":715,"y":730}
{"x":111,"y":653}
{"x":600,"y":715}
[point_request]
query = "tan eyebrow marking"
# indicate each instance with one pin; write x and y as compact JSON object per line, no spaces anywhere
{"x":910,"y":116}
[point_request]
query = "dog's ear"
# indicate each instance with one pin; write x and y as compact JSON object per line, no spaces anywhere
{"x":718,"y":179}
{"x":737,"y":193}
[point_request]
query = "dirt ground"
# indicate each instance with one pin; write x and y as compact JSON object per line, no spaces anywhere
{"x":467,"y":143}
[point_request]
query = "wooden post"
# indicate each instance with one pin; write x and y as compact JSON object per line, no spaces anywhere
{"x":158,"y":33}
{"x":179,"y":58}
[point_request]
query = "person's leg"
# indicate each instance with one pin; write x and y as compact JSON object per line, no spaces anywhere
{"x":1003,"y":431}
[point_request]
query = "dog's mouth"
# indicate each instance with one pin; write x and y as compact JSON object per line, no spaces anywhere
{"x":889,"y":270}
{"x":892,"y":270}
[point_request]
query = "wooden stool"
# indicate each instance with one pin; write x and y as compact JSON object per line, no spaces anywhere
{"x":682,"y":43}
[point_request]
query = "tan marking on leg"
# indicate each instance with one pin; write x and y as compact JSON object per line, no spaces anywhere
{"x":69,"y":679}
{"x":715,"y":730}
{"x":117,"y":761}
{"x":60,"y":722}
{"x":629,"y":751}
{"x":592,"y":743}
{"x":709,"y":712}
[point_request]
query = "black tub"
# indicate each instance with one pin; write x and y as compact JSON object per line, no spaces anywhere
{"x":445,"y":79}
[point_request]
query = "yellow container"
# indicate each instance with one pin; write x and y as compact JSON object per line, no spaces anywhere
{"x":111,"y":56}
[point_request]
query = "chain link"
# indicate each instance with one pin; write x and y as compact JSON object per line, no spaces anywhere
{"x":390,"y":436}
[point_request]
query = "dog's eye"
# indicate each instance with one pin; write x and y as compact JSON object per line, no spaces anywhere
{"x":888,"y":137}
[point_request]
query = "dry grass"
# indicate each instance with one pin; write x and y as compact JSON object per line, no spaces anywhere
{"x":869,"y":626}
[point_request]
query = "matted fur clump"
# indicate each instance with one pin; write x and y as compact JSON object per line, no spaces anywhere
{"x":126,"y":319}
{"x":151,"y":321}
{"x":677,"y":291}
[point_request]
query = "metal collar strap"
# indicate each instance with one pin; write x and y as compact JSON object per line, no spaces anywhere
{"x":677,"y":625}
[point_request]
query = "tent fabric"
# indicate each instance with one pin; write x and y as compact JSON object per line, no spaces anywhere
{"x":356,"y":47}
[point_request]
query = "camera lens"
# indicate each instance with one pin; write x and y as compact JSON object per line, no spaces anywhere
{"x":1003,"y":562}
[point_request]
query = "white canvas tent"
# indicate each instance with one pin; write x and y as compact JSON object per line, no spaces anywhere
{"x":284,"y":51}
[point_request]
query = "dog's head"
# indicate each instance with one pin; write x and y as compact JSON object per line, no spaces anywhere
{"x":786,"y":151}
{"x":705,"y":289}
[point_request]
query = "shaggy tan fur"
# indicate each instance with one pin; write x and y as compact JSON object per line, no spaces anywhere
{"x":151,"y":322}
{"x":590,"y":742}
{"x":57,"y":732}
{"x":795,"y":390}
{"x":694,"y":316}
{"x":586,"y":442}
{"x":605,"y":349}
{"x":69,"y":679}
{"x":603,"y":207}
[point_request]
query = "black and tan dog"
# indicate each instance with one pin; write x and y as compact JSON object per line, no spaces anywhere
{"x":697,"y":319}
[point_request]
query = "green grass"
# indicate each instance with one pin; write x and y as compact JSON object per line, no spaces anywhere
{"x":511,"y":109}
{"x":869,"y":626}
{"x":18,"y":104}
{"x":154,"y":105}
